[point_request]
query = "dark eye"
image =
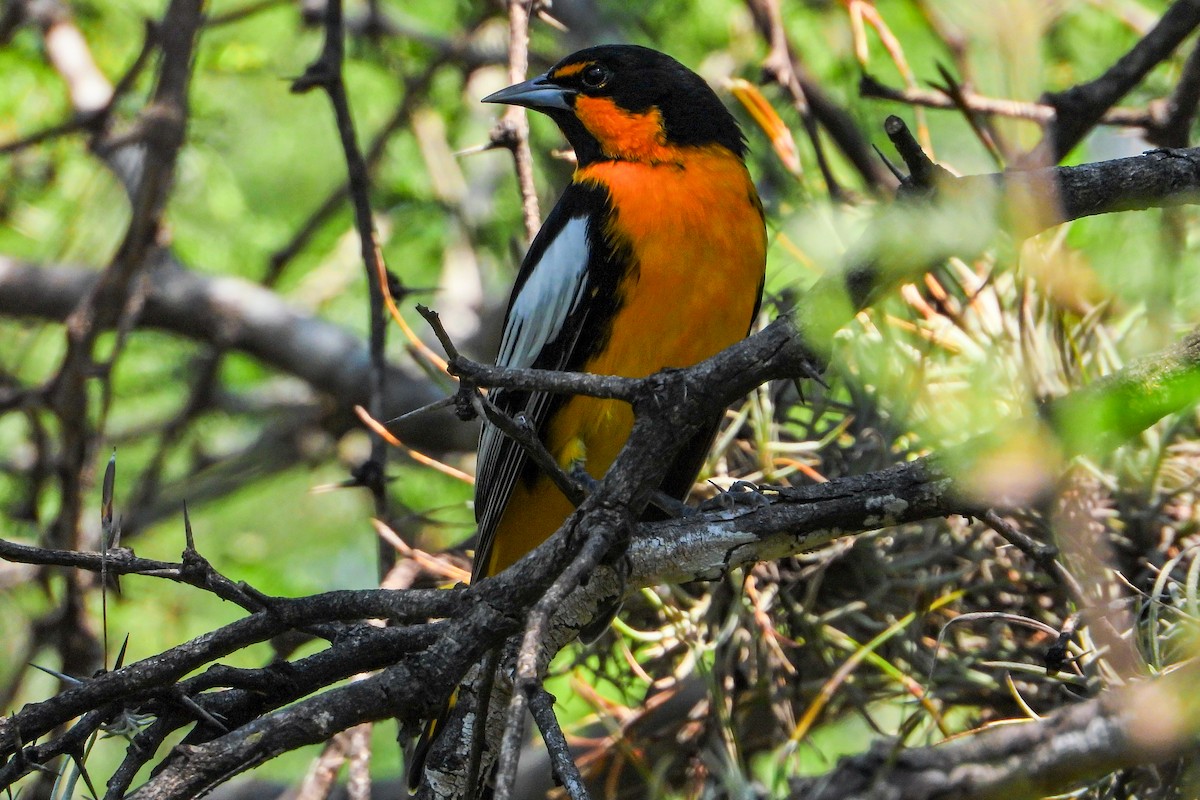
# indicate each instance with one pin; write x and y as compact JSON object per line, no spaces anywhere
{"x":595,"y":76}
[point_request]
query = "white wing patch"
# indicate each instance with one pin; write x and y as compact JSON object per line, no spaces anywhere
{"x":552,"y":291}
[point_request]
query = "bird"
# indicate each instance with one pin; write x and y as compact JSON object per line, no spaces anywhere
{"x":652,"y":258}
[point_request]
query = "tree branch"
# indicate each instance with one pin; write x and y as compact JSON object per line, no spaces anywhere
{"x":1078,"y":109}
{"x":701,"y":546}
{"x":1041,"y":113}
{"x":326,"y":72}
{"x":238,"y":315}
{"x":1148,"y":724}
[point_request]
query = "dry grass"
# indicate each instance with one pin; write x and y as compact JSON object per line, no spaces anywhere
{"x":930,"y":630}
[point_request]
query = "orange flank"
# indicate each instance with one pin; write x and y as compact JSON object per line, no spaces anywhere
{"x":698,"y":245}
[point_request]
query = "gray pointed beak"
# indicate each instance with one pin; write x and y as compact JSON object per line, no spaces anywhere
{"x":538,"y":93}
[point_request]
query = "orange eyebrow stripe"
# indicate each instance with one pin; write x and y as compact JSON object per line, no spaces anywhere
{"x":569,"y":70}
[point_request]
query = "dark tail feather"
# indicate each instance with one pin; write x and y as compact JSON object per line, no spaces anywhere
{"x":599,"y":624}
{"x":435,"y":727}
{"x":416,"y":765}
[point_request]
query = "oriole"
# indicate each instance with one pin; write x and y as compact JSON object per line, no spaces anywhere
{"x":652,"y":258}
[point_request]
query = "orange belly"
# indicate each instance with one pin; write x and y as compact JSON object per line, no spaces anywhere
{"x":699,"y":246}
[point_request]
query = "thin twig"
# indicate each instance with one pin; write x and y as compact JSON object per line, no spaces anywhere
{"x":981,"y":125}
{"x":783,"y":67}
{"x":1078,"y":109}
{"x":1040,"y":113}
{"x":566,"y":772}
{"x":512,"y":131}
{"x":1179,"y":111}
{"x":531,"y":658}
{"x":923,"y":172}
{"x":527,"y":438}
{"x":415,"y":87}
{"x":326,"y":72}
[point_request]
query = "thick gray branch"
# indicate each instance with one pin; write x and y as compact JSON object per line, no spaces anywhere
{"x":1147,"y":724}
{"x":238,"y":315}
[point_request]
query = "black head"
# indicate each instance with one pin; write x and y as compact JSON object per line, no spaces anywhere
{"x":626,"y":102}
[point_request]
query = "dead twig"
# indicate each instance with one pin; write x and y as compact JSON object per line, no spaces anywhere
{"x":326,"y":72}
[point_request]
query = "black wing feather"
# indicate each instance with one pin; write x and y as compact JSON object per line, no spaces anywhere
{"x":567,"y":346}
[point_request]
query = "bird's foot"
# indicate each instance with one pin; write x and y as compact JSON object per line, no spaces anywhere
{"x":740,"y":493}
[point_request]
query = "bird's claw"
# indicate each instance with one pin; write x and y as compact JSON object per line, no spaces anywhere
{"x":739,"y":493}
{"x":580,"y":475}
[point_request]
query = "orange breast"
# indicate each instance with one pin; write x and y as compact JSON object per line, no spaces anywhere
{"x":695,"y":228}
